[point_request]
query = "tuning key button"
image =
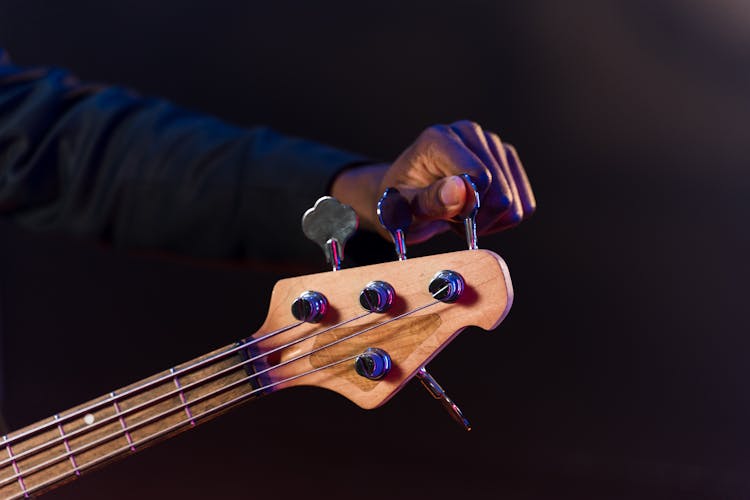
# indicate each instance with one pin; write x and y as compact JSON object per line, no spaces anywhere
{"x":377,"y":296}
{"x":447,"y":286}
{"x":469,"y":215}
{"x":394,"y":214}
{"x":373,"y":364}
{"x":310,"y":307}
{"x":330,"y":224}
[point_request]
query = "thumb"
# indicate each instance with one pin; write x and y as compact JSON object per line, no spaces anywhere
{"x":443,"y":199}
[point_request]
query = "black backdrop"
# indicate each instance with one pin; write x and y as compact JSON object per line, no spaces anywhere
{"x":621,"y":370}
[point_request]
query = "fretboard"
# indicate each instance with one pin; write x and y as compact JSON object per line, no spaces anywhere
{"x":60,"y":448}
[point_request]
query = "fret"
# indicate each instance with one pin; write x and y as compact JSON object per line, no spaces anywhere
{"x":16,"y":470}
{"x":32,"y":458}
{"x":90,"y":435}
{"x":205,"y":396}
{"x":9,"y":485}
{"x":182,"y":397}
{"x":67,"y":445}
{"x":121,"y":419}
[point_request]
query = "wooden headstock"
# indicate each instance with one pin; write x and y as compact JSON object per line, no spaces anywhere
{"x":412,"y":331}
{"x":285,"y":352}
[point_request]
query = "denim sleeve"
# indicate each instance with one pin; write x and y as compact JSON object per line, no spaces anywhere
{"x":141,"y":173}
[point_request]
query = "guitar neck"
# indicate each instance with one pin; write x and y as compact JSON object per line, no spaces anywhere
{"x":58,"y":449}
{"x":428,"y":301}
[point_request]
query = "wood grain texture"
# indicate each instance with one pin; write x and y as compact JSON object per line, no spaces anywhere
{"x":411,"y":341}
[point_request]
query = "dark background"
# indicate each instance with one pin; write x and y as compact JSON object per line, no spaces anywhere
{"x":621,"y":371}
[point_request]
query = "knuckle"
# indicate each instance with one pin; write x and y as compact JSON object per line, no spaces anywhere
{"x":493,"y":138}
{"x":483,"y":179}
{"x":431,"y":141}
{"x":468,"y":124}
{"x":435,"y":131}
{"x":498,"y":202}
{"x":504,"y":201}
{"x":515,"y":216}
{"x":530,"y":209}
{"x":512,"y":152}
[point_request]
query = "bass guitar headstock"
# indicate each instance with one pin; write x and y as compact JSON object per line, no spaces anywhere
{"x":365,"y":332}
{"x":370,"y":329}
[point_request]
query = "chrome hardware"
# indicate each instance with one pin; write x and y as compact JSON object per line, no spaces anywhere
{"x":394,"y":214}
{"x":310,"y":307}
{"x":373,"y":364}
{"x":377,"y":296}
{"x":330,"y":224}
{"x":447,"y":286}
{"x":469,"y":215}
{"x":437,"y":392}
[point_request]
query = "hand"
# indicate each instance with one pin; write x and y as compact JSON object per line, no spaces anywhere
{"x":426,"y":174}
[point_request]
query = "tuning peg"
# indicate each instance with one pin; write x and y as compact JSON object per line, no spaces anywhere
{"x":469,"y":215}
{"x":330,"y":223}
{"x":438,"y":393}
{"x":394,"y":214}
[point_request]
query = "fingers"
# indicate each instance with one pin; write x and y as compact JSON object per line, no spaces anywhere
{"x":434,"y":206}
{"x":528,"y":200}
{"x":440,"y":155}
{"x":443,"y":153}
{"x":426,"y":173}
{"x":443,"y":199}
{"x":498,"y":197}
{"x":505,"y":191}
{"x":514,"y":213}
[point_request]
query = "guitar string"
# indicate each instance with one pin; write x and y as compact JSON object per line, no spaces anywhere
{"x":181,"y":406}
{"x":167,"y":377}
{"x":224,"y":406}
{"x":173,"y":392}
{"x":196,"y":400}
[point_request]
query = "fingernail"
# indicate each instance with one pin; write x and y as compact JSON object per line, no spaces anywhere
{"x":451,"y":193}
